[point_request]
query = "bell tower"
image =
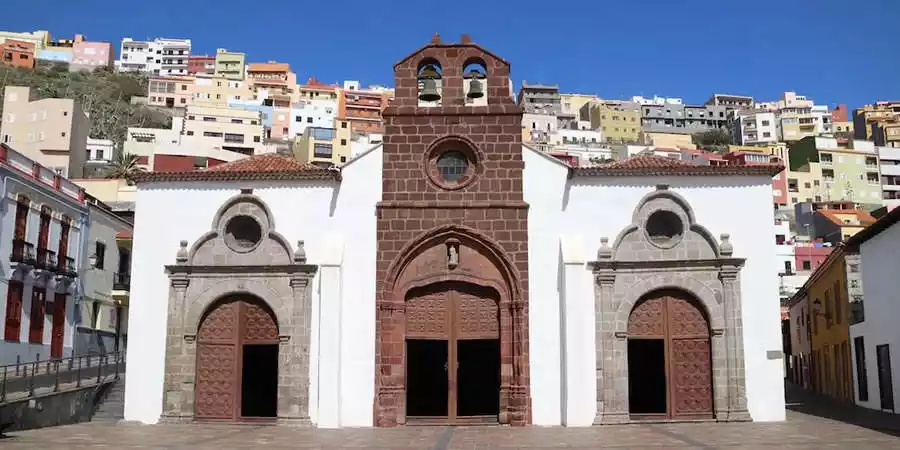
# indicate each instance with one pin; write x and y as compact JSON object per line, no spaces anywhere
{"x":452,"y":211}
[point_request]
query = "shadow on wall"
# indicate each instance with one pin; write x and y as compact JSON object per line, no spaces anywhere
{"x":561,"y":289}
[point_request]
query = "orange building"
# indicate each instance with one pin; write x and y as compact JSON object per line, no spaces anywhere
{"x":18,"y":53}
{"x":363,"y":110}
{"x":272,"y":82}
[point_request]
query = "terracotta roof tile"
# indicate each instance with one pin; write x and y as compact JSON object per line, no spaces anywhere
{"x":651,"y":165}
{"x":258,"y":167}
{"x":865,"y":219}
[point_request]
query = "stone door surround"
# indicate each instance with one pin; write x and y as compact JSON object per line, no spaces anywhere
{"x":664,"y":248}
{"x":242,"y":254}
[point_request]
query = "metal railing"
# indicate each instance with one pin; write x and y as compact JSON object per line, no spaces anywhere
{"x":24,"y":380}
{"x":121,"y":281}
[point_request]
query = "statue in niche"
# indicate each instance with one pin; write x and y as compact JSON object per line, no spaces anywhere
{"x":452,"y":254}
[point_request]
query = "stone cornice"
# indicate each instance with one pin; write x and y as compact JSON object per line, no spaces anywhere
{"x":451,"y":204}
{"x":712,"y":264}
{"x":177,"y":269}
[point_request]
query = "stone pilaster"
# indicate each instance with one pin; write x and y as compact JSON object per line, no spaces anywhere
{"x":293,"y":357}
{"x":734,"y":342}
{"x":610,"y":408}
{"x":177,"y":407}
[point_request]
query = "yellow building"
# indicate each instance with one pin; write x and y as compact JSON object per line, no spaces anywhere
{"x":866,"y":118}
{"x":669,"y":140}
{"x":230,"y":65}
{"x":51,"y":131}
{"x":324,"y":146}
{"x":217,"y":90}
{"x":40,"y":38}
{"x":843,"y":127}
{"x":619,"y":121}
{"x":571,"y":104}
{"x":830,"y":344}
{"x":778,"y":149}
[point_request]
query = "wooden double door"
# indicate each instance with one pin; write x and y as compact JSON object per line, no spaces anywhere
{"x":669,"y":358}
{"x":237,"y":362}
{"x":452,"y":354}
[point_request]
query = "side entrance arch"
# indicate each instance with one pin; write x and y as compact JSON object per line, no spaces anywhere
{"x":669,"y":358}
{"x":452,"y":353}
{"x":237,"y":361}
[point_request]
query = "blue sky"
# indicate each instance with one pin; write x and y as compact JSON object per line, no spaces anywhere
{"x":832,"y":51}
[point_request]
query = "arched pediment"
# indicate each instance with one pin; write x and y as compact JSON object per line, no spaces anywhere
{"x":452,"y":252}
{"x":242,"y":234}
{"x":663,"y":227}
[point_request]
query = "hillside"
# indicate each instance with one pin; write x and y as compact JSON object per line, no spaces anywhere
{"x":104,"y":94}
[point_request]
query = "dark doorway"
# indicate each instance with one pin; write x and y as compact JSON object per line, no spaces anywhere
{"x":426,"y":378}
{"x":647,"y":376}
{"x":259,"y":381}
{"x":478,"y":377}
{"x":885,"y":381}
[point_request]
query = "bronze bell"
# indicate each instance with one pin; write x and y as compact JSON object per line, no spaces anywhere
{"x":429,"y":91}
{"x":429,"y":72}
{"x":476,"y":89}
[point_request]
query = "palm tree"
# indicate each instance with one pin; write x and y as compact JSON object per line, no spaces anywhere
{"x":125,"y":165}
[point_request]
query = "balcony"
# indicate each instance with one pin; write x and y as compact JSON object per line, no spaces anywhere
{"x":23,"y":252}
{"x":121,"y":281}
{"x":66,"y":267}
{"x":46,"y":259}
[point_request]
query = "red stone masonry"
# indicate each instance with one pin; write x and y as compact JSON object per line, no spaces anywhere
{"x":487,"y":213}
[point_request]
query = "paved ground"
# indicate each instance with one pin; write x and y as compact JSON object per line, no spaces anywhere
{"x":803,"y":430}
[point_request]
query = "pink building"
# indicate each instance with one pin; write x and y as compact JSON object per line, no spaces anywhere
{"x":809,"y":255}
{"x":91,"y":55}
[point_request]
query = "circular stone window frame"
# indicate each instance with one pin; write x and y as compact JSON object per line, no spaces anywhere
{"x":230,"y":241}
{"x":453,"y":144}
{"x":672,"y":242}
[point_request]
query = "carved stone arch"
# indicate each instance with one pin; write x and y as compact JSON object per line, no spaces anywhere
{"x":464,"y":236}
{"x":641,"y":262}
{"x":202,"y":301}
{"x":426,"y":262}
{"x":260,"y":266}
{"x":709,"y":298}
{"x":694,"y":242}
{"x":213,"y":248}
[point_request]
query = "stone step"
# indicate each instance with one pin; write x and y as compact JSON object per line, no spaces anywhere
{"x":112,"y":406}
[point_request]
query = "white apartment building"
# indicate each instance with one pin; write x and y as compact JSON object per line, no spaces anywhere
{"x":51,"y":131}
{"x":753,"y":127}
{"x":99,"y":153}
{"x":797,"y":116}
{"x":161,"y":56}
{"x":312,"y":113}
{"x":890,"y":175}
{"x":657,"y":100}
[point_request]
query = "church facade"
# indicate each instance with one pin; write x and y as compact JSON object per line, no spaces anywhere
{"x":454,"y":275}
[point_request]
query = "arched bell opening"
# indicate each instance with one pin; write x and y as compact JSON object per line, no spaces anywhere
{"x":475,"y":85}
{"x":430,"y":82}
{"x":237,"y":361}
{"x":669,"y":358}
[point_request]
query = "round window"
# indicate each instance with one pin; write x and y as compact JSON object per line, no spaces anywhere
{"x":664,"y":228}
{"x":242,"y":233}
{"x":452,"y":165}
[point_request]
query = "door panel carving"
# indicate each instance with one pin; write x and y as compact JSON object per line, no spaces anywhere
{"x":679,"y":321}
{"x":428,"y":315}
{"x":477,"y":315}
{"x":452,"y":311}
{"x":259,"y":325}
{"x":691,"y":377}
{"x":220,"y":341}
{"x":216,"y":396}
{"x":647,"y":319}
